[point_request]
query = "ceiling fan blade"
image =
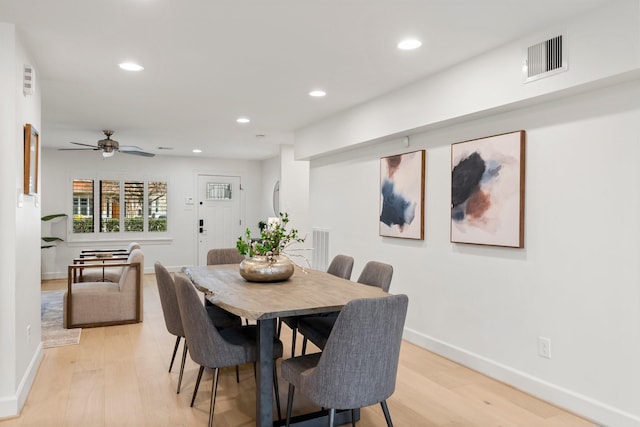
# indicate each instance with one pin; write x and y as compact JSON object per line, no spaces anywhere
{"x":139,"y":153}
{"x":86,"y":145}
{"x":77,"y":149}
{"x":132,"y":149}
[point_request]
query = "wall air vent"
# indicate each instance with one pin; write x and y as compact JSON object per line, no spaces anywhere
{"x":545,"y":59}
{"x":28,"y":80}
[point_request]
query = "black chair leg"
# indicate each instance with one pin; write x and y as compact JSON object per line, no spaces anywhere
{"x":276,"y":389}
{"x":175,"y":351}
{"x":195,"y":390}
{"x":289,"y":404}
{"x":353,"y":418}
{"x":294,"y":333}
{"x":184,"y":359}
{"x":385,"y":410}
{"x":237,"y":375}
{"x":214,"y":388}
{"x":304,"y":346}
{"x":332,"y":416}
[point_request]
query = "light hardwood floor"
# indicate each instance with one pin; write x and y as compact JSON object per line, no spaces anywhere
{"x":117,"y":376}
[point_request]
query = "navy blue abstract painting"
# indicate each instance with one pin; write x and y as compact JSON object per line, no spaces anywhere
{"x":402,"y":195}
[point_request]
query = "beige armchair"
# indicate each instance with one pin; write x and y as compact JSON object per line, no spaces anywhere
{"x":108,"y":257}
{"x":90,"y":304}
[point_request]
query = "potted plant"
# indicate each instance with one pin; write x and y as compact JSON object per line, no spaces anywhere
{"x":48,"y":239}
{"x":267,"y":260}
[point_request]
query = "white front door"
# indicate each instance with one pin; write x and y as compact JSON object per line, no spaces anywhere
{"x":219,"y":224}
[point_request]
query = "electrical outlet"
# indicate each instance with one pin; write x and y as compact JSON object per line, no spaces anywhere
{"x":544,"y":347}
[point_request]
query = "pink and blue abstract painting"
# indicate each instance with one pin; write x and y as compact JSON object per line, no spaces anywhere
{"x":487,"y":190}
{"x":402,"y":195}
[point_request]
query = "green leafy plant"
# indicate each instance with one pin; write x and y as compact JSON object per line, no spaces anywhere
{"x":48,"y":239}
{"x":274,"y":238}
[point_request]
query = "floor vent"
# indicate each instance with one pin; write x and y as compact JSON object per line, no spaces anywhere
{"x":320,"y":259}
{"x":545,"y":59}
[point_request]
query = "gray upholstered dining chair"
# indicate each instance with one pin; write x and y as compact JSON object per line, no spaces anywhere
{"x":169,"y":302}
{"x":377,"y":274}
{"x":317,"y":329}
{"x":224,"y":256}
{"x":338,"y":378}
{"x":341,"y":266}
{"x":213,"y":348}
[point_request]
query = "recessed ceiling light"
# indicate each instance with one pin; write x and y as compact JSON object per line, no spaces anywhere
{"x":242,"y":120}
{"x":130,"y":66}
{"x":409,"y":44}
{"x":317,"y":93}
{"x":197,"y":150}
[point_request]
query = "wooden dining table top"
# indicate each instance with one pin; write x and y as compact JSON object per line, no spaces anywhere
{"x":306,"y":292}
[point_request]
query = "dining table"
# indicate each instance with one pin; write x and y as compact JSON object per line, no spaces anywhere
{"x":306,"y":292}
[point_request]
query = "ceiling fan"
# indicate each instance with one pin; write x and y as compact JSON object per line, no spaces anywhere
{"x":110,"y":146}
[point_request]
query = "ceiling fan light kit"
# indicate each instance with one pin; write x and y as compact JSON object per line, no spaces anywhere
{"x":109,"y":147}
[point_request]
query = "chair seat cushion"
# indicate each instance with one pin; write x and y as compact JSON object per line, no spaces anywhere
{"x":222,"y":318}
{"x":292,"y":369}
{"x":247,"y":336}
{"x":106,"y":274}
{"x":317,"y":329}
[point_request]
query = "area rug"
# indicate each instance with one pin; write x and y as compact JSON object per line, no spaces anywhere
{"x":53,"y":334}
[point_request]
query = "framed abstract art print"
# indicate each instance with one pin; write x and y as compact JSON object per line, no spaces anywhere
{"x":487,"y":190}
{"x":402,"y":195}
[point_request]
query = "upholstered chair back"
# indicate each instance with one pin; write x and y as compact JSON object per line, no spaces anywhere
{"x":206,"y":346}
{"x":377,"y":274}
{"x":358,"y":366}
{"x":169,"y":300}
{"x":224,"y":256}
{"x":341,"y":266}
{"x":132,"y":246}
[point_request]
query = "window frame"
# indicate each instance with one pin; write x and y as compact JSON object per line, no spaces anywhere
{"x":122,"y":235}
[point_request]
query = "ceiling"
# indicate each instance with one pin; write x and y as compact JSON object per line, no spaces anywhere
{"x":208,"y":62}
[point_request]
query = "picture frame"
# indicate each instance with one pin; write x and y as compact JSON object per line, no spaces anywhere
{"x":31,"y":153}
{"x":402,"y":181}
{"x":487,"y":190}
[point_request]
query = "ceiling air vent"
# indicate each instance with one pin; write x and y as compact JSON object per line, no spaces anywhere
{"x":545,"y":59}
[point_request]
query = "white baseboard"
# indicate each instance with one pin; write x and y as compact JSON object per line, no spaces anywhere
{"x":599,"y":412}
{"x":10,"y":406}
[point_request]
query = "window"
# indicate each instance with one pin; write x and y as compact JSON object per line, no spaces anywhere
{"x":124,"y":206}
{"x":109,"y":206}
{"x":133,"y":206}
{"x":82,"y":206}
{"x":157,"y":206}
{"x":217,"y":191}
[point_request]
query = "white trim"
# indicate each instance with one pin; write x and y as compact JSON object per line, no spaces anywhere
{"x":11,"y":406}
{"x":584,"y":406}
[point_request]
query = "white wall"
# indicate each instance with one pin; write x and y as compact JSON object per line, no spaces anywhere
{"x":576,"y":281}
{"x":294,"y":199}
{"x":60,"y":167}
{"x":20,"y":352}
{"x":270,"y":175}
